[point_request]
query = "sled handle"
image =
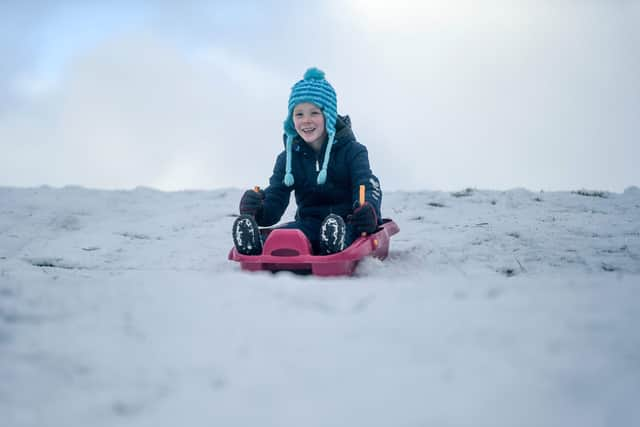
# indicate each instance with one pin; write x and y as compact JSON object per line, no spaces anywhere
{"x":361,"y":201}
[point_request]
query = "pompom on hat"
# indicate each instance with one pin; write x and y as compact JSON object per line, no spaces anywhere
{"x":313,"y":88}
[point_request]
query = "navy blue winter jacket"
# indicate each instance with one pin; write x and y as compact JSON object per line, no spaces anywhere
{"x":348,"y":168}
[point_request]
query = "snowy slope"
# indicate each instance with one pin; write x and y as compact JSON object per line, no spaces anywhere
{"x":494,"y":308}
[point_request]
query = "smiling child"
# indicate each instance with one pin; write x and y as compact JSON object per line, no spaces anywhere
{"x":324,"y":165}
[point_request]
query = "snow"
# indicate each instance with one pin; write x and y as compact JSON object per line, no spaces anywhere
{"x":494,"y":308}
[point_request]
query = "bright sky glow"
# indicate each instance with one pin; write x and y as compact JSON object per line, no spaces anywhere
{"x":445,"y":95}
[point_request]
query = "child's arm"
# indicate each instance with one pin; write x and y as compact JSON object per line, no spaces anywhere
{"x":361,"y":175}
{"x":276,"y":195}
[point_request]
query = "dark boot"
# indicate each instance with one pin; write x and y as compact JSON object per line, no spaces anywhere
{"x":246,"y":235}
{"x":332,"y":234}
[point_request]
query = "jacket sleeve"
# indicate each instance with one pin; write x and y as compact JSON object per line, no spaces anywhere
{"x":361,"y":174}
{"x":276,"y":195}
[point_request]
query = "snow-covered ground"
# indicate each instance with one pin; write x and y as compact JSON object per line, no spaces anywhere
{"x":493,"y":309}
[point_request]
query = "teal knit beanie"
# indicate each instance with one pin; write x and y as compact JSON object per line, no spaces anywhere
{"x":316,"y":89}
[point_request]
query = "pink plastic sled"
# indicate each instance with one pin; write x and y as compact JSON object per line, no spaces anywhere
{"x":290,"y":250}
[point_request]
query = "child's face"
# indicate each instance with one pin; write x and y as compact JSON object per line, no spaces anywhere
{"x":309,"y":123}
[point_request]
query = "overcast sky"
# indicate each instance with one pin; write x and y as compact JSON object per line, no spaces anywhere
{"x":496,"y":94}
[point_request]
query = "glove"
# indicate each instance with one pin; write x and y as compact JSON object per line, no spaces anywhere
{"x":251,"y":203}
{"x":364,"y":218}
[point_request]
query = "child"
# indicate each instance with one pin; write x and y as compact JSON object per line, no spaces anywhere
{"x":325,"y":166}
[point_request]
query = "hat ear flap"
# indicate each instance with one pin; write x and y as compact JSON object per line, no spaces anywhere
{"x":288,"y":176}
{"x":322,"y":176}
{"x":289,"y":128}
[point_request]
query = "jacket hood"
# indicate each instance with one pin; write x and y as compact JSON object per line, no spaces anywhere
{"x":343,"y":135}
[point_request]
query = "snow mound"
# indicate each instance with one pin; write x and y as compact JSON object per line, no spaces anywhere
{"x":494,"y":308}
